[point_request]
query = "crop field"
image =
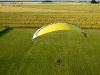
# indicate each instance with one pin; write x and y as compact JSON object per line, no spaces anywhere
{"x":19,"y":55}
{"x":38,"y":19}
{"x":33,"y":15}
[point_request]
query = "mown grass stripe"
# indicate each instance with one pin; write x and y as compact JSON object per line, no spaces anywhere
{"x":19,"y":55}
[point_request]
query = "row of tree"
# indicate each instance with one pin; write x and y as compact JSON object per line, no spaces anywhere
{"x":93,"y":1}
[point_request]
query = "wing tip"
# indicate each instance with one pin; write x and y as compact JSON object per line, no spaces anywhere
{"x":84,"y":34}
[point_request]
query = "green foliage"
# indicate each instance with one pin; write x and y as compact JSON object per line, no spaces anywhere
{"x":79,"y":55}
{"x":2,"y":29}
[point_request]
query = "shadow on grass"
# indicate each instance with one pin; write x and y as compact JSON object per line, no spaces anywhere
{"x":5,"y":31}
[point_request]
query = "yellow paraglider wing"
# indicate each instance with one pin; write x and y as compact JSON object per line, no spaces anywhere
{"x":56,"y":27}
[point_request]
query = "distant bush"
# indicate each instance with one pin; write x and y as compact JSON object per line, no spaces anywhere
{"x":94,"y":2}
{"x":46,"y":1}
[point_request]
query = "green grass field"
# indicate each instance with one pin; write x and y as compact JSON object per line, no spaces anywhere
{"x":20,"y":56}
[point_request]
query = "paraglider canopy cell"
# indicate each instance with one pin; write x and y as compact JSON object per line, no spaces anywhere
{"x":56,"y":27}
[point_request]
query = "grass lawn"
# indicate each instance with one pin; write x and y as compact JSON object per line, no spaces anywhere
{"x":20,"y":56}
